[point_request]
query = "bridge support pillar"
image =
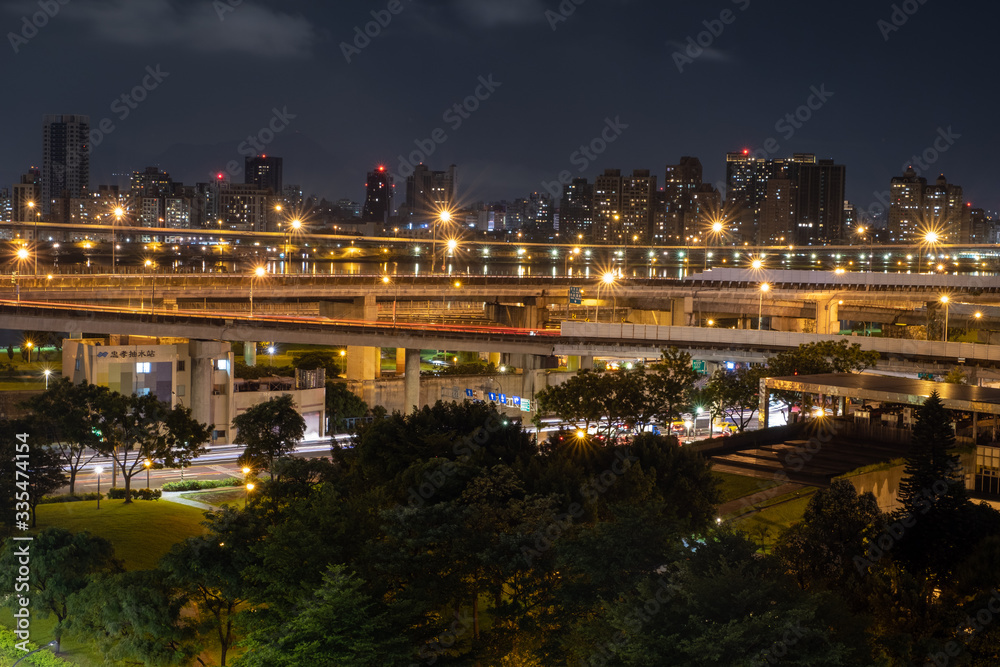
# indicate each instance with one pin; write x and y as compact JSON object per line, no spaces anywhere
{"x":495,"y":359}
{"x":763,"y":410}
{"x":400,"y":360}
{"x":250,"y":353}
{"x":363,"y":362}
{"x":827,"y":316}
{"x":531,"y":374}
{"x":411,"y":381}
{"x":573,"y":363}
{"x":681,"y":311}
{"x":587,"y":362}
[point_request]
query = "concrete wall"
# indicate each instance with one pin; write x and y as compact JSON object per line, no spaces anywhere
{"x":388,"y":392}
{"x":884,"y":484}
{"x":310,"y":403}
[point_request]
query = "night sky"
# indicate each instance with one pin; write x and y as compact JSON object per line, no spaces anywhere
{"x":894,"y":91}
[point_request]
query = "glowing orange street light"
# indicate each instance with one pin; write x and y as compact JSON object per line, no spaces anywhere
{"x":764,"y":287}
{"x":258,"y":272}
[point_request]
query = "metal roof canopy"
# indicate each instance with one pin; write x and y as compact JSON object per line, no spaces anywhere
{"x":885,"y":389}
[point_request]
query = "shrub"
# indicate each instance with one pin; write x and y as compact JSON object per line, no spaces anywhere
{"x":67,"y":498}
{"x":197,"y":485}
{"x":118,"y":493}
{"x":8,"y":651}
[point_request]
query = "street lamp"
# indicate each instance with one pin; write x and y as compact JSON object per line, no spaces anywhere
{"x":945,"y":300}
{"x":246,"y":500}
{"x":31,"y":205}
{"x":294,"y":226}
{"x":443,"y":217}
{"x":119,"y":213}
{"x":931,"y":239}
{"x":258,"y":272}
{"x":98,"y":470}
{"x":716,"y":230}
{"x":270,"y":354}
{"x":30,"y":347}
{"x":47,"y":373}
{"x":607,"y":279}
{"x":452,"y":246}
{"x":54,"y":644}
{"x":764,"y":287}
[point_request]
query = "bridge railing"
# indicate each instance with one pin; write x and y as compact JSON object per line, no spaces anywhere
{"x":775,"y":340}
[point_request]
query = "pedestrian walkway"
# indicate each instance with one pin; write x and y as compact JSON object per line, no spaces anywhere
{"x":758,"y":497}
{"x":175,"y":497}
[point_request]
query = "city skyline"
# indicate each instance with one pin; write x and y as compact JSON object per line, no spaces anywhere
{"x":685,"y":91}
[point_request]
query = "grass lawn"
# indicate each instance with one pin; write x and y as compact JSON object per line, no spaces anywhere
{"x":219,"y":497}
{"x":774,"y":515}
{"x":141,"y":532}
{"x":739,"y":486}
{"x":70,"y":649}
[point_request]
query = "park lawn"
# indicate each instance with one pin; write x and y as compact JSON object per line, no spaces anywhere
{"x":218,"y":497}
{"x":774,"y":516}
{"x":27,"y":385}
{"x":732,"y":486}
{"x":71,"y":649}
{"x":141,"y":532}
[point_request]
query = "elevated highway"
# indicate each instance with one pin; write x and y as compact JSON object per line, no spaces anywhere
{"x":794,"y":297}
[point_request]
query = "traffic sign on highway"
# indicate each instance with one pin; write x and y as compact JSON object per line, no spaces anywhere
{"x":698,"y":365}
{"x":525,"y":405}
{"x":575,"y":295}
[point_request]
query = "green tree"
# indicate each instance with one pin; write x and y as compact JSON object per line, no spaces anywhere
{"x":718,"y":602}
{"x":706,"y":400}
{"x":932,"y":495}
{"x":269,"y":430}
{"x":209,"y":571}
{"x":838,"y":524}
{"x":134,"y":618}
{"x":136,"y":428}
{"x":578,"y":399}
{"x":342,"y":403}
{"x":313,"y":359}
{"x":738,"y":393}
{"x":70,"y":421}
{"x":339,"y":624}
{"x":28,"y":469}
{"x":62,"y":563}
{"x":670,"y":384}
{"x":817,"y":358}
{"x":956,"y":376}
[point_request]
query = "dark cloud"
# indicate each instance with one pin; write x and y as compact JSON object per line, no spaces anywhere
{"x":203,"y":27}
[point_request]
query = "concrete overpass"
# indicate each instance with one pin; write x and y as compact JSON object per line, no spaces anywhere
{"x":797,"y":300}
{"x":579,"y":341}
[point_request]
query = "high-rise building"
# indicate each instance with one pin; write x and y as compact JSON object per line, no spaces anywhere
{"x":704,"y":206}
{"x":810,"y":200}
{"x":917,"y":208}
{"x":150,"y":183}
{"x":378,"y":196}
{"x":264,"y":172}
{"x":244,"y":207}
{"x":576,"y":209}
{"x":820,"y":206}
{"x":680,"y":181}
{"x":25,"y":199}
{"x":292,"y":194}
{"x":944,"y":208}
{"x":778,"y":217}
{"x":65,"y":158}
{"x":637,"y":201}
{"x":430,"y":192}
{"x":607,"y":205}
